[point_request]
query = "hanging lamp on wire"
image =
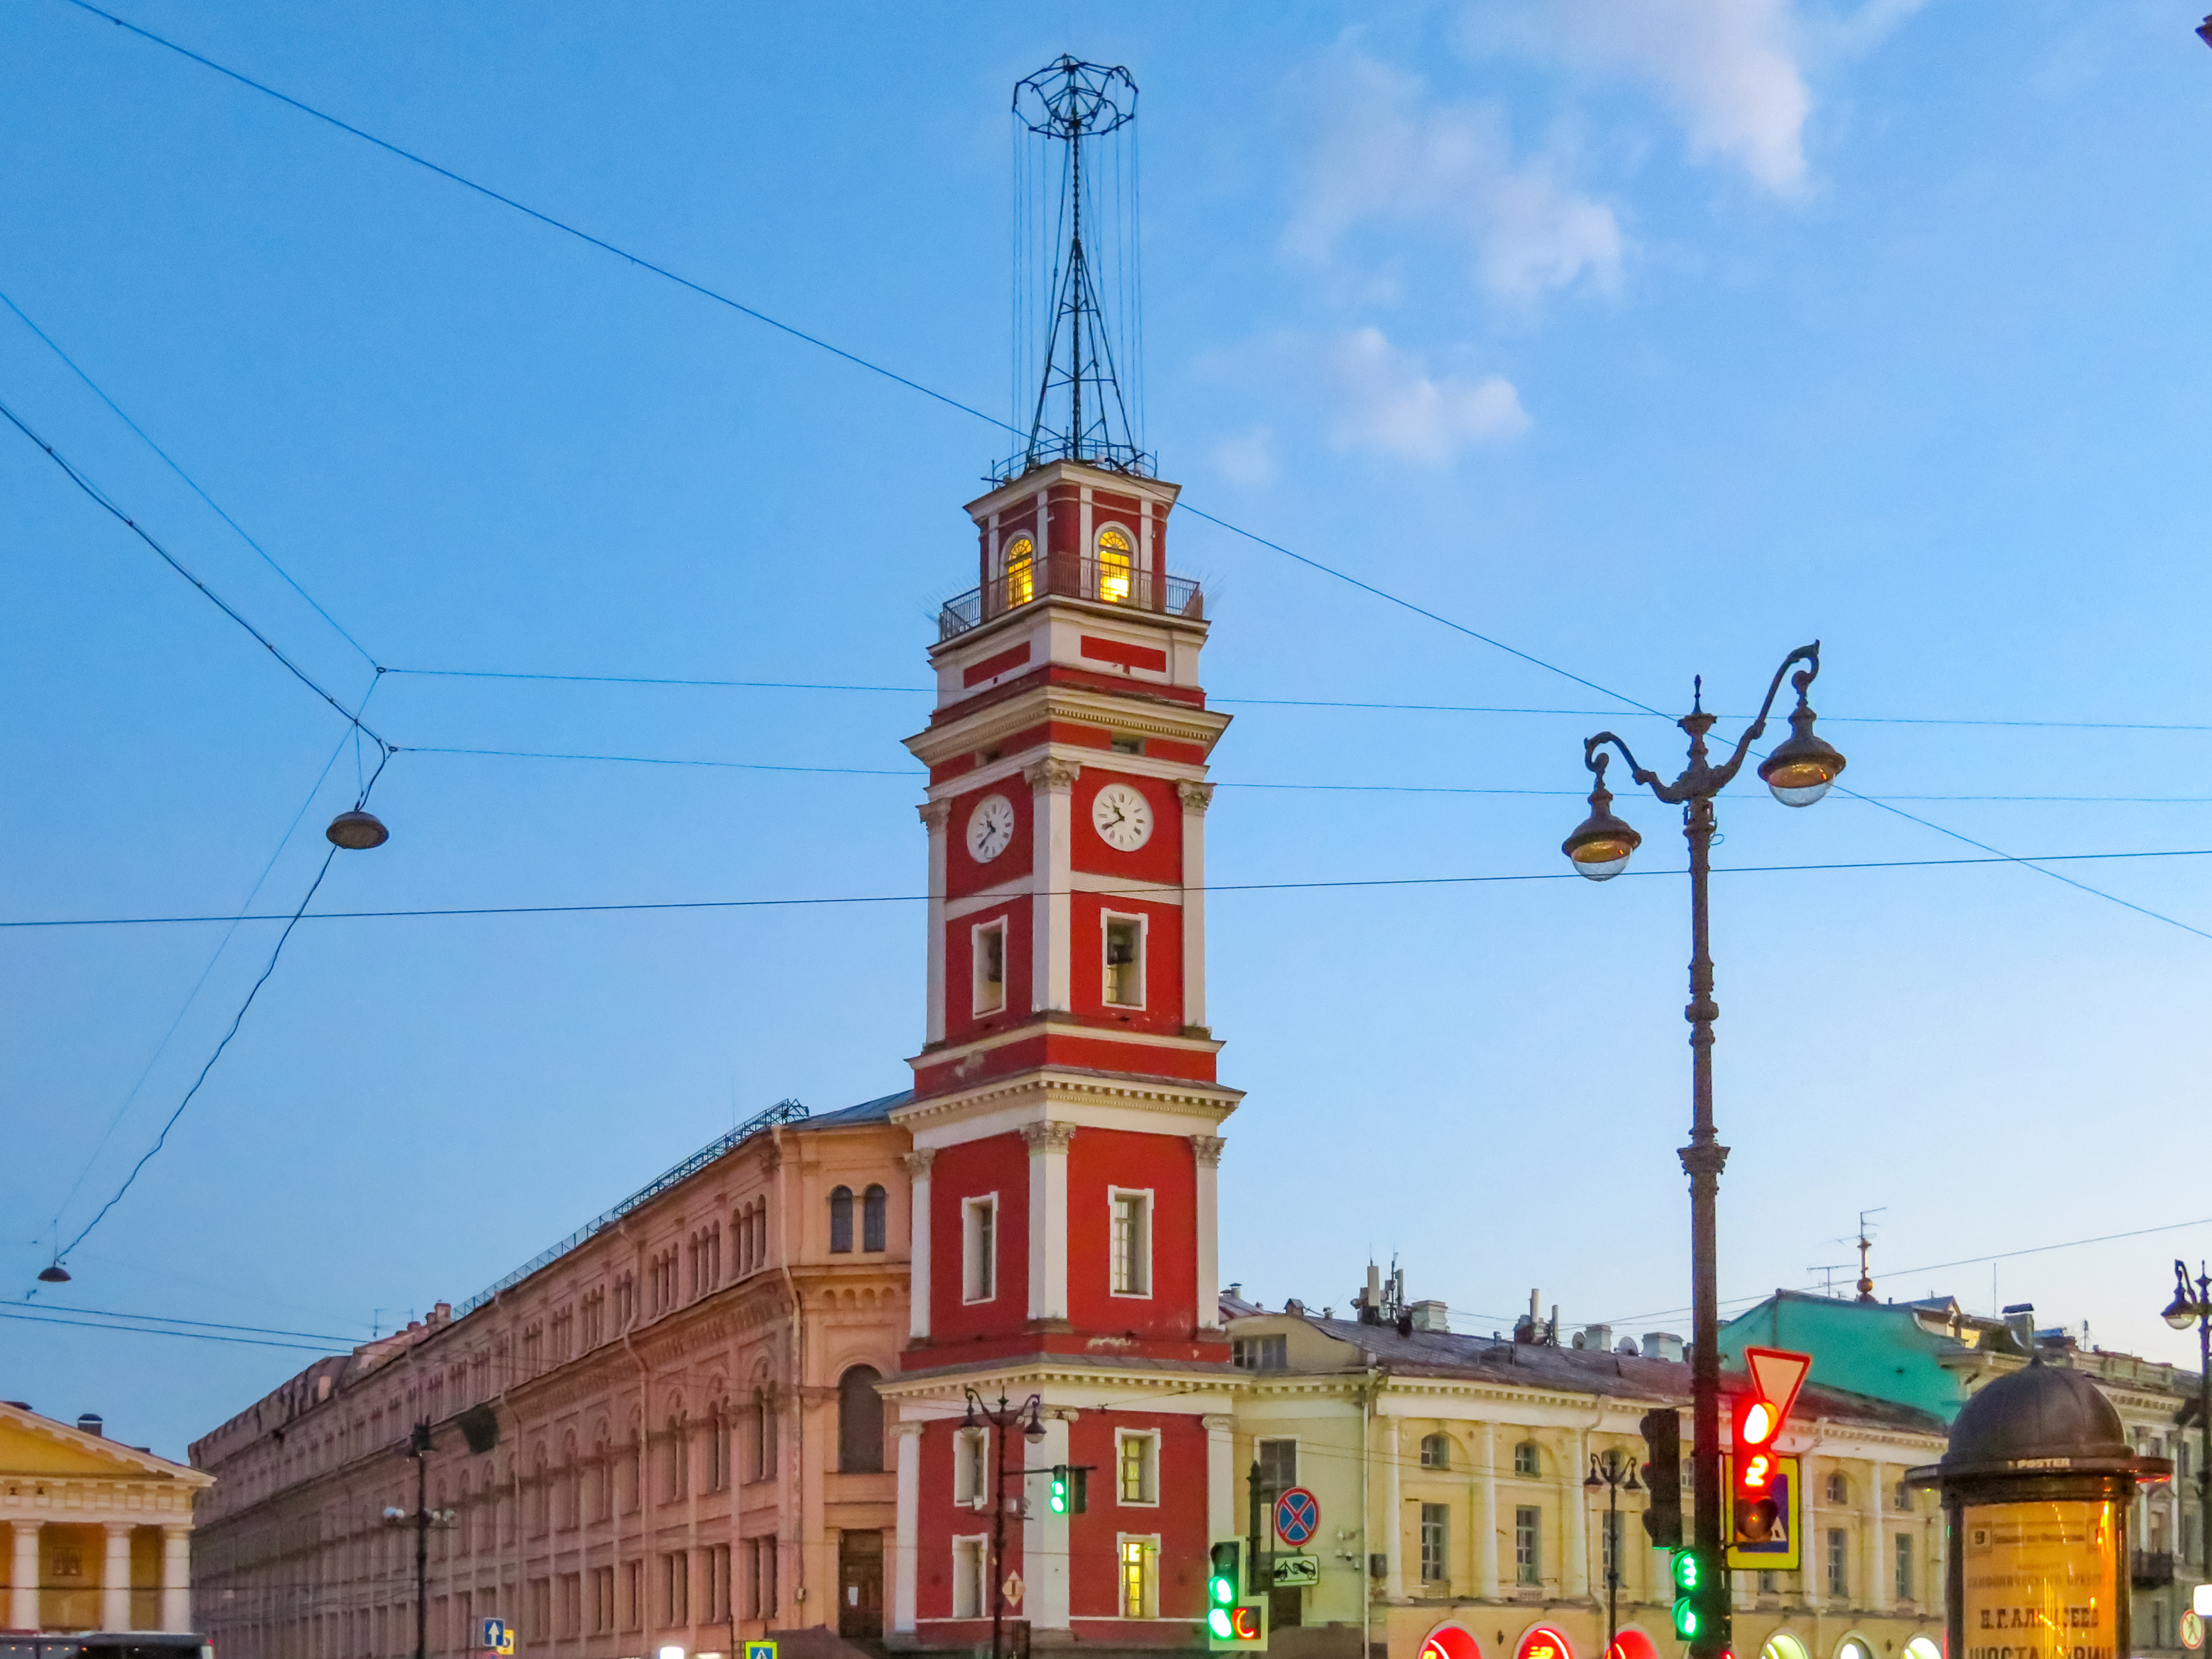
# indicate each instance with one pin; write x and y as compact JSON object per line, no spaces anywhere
{"x":358,"y":829}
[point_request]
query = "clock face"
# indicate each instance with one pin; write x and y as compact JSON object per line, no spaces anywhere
{"x":1122,"y":817}
{"x":990,"y":828}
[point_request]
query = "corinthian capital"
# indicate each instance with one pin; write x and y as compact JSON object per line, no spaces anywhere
{"x":934,"y":814}
{"x":1196,"y":796}
{"x":917,"y":1164}
{"x":1051,"y":775}
{"x":1048,"y":1137}
{"x":1208,"y":1148}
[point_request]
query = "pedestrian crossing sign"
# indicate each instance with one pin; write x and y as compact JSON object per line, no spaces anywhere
{"x":760,"y":1650}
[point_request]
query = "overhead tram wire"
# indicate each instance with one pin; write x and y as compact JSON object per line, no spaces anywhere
{"x":1211,"y":887}
{"x":147,"y":1330}
{"x":191,"y":482}
{"x":93,"y":490}
{"x":719,"y":298}
{"x":1285,"y":702}
{"x":202,"y":1324}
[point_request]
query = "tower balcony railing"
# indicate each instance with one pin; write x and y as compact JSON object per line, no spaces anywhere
{"x":1103,"y":581}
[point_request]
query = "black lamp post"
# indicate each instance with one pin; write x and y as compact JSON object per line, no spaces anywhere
{"x":2180,"y":1313}
{"x":1002,"y":1419}
{"x":1615,"y":1475}
{"x":1798,"y":772}
{"x":424,"y":1518}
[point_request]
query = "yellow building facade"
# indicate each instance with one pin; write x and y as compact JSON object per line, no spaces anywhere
{"x":1456,"y":1522}
{"x":98,"y":1534}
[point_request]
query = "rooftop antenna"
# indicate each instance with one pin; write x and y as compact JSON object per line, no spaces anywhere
{"x":1828,"y":1270}
{"x":1865,"y":1244}
{"x":1080,"y":413}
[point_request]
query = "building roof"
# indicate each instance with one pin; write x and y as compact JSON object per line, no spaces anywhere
{"x":878,"y":1110}
{"x":1443,"y":1354}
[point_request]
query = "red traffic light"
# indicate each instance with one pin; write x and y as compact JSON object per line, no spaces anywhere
{"x":1244,"y":1623}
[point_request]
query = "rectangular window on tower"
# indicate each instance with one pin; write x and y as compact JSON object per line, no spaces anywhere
{"x":1125,"y":962}
{"x":1132,"y":1242}
{"x":979,"y":1249}
{"x":1137,"y":1459}
{"x":990,"y":959}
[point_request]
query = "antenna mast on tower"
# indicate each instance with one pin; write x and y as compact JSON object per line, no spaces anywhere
{"x":1080,"y":413}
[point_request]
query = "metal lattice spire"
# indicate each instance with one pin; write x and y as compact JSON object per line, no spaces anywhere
{"x":1080,"y":412}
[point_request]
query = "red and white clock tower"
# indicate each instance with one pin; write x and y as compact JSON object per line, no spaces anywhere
{"x":1066,"y":1115}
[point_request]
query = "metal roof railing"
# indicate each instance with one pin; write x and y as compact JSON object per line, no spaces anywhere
{"x":784,"y":1111}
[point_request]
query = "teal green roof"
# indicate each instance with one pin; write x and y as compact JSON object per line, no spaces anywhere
{"x":1877,"y":1348}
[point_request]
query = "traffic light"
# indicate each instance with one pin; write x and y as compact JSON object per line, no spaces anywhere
{"x":1689,"y":1574}
{"x":1058,"y":1501}
{"x":1759,"y":1499}
{"x":1663,"y":1513}
{"x":1233,"y":1623}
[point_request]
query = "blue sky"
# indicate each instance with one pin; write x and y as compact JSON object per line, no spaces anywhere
{"x":1650,"y":339}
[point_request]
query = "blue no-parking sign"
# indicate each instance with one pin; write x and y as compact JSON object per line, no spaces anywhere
{"x":1297,"y":1517}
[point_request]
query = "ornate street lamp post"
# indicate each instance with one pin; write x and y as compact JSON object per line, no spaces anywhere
{"x":2180,"y":1313}
{"x":1613,"y":1474}
{"x":1798,"y":772}
{"x":1002,"y":1419}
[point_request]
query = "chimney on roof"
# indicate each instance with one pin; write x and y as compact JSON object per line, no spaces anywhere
{"x":1430,"y":1316}
{"x":442,"y":1314}
{"x":2019,"y":1320}
{"x":91,"y":1422}
{"x":1662,"y":1344}
{"x":1599,"y":1337}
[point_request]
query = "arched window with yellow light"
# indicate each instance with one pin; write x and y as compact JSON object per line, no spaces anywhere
{"x":1117,"y":565}
{"x":1020,"y":571}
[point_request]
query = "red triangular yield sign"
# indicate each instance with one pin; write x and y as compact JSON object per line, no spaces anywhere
{"x":1778,"y":1375}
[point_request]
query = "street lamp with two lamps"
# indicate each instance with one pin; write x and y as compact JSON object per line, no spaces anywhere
{"x":2192,"y":1305}
{"x":1612,"y":1474}
{"x":1798,"y":772}
{"x":1002,"y":1419}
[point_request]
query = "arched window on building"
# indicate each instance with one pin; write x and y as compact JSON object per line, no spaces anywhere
{"x":1021,"y":571}
{"x":627,"y":1469}
{"x":599,"y":1477}
{"x":672,"y":1460}
{"x":860,"y":1422}
{"x":1436,"y":1451}
{"x":1839,"y":1489}
{"x":541,"y":1493}
{"x":1117,"y":563}
{"x":1528,"y":1458}
{"x":841,"y":1220}
{"x":874,"y":1204}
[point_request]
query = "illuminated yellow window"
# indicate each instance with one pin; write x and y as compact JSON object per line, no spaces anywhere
{"x":1116,"y":560}
{"x":1139,"y":1575}
{"x":1021,"y":570}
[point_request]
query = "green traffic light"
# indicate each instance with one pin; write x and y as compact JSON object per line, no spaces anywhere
{"x":1221,"y":1592}
{"x":1687,"y":1621}
{"x":1217,"y":1621}
{"x":1686,"y":1573}
{"x":1059,"y":1499}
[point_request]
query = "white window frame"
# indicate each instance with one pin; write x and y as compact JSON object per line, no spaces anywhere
{"x":1114,"y":1197}
{"x":971,"y":1451}
{"x":1106,"y":921}
{"x":975,"y":1582}
{"x":1152,"y":1439}
{"x":975,"y":1263}
{"x":1150,"y":1542}
{"x":977,"y":984}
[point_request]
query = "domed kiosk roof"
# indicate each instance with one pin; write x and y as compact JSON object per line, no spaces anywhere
{"x":2043,"y":1417}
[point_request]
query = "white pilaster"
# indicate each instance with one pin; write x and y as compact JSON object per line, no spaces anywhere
{"x":115,"y":1578}
{"x":1220,"y":1476}
{"x":1045,"y":1600}
{"x":177,"y":1579}
{"x":1052,"y":782}
{"x":1574,"y":1505}
{"x":1813,"y":1550}
{"x":1484,"y":1439}
{"x":1196,"y":798}
{"x":1880,"y":1589}
{"x":934,"y":815}
{"x":1206,"y":1149}
{"x":23,"y":1597}
{"x":1047,"y":1144}
{"x":907,"y":1527}
{"x":1394,"y":1513}
{"x":917,"y":1169}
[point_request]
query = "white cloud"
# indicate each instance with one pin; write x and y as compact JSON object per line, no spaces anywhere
{"x":1733,"y":72}
{"x":1385,"y":400}
{"x":1382,"y":152}
{"x":1247,"y":457}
